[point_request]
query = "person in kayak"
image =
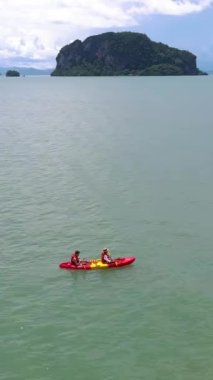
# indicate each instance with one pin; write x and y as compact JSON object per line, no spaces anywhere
{"x":105,"y":256}
{"x":75,"y":258}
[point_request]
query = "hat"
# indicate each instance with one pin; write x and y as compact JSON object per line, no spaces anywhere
{"x":105,"y":249}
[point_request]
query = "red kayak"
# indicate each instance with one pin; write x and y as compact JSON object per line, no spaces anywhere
{"x":97,"y":264}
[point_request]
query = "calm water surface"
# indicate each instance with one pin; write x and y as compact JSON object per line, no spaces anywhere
{"x":120,"y":162}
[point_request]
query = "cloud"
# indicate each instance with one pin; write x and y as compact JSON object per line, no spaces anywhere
{"x":37,"y":29}
{"x":169,"y":7}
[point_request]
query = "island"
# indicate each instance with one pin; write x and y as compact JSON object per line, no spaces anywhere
{"x":12,"y":73}
{"x":123,"y":53}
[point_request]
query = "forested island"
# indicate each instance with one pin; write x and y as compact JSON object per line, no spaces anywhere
{"x":123,"y":53}
{"x":12,"y":73}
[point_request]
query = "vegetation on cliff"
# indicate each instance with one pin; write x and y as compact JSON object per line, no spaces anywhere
{"x":124,"y":53}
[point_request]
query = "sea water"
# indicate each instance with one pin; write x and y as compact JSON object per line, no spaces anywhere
{"x":122,"y":162}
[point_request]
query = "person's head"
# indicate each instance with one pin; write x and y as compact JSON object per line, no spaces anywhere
{"x":77,"y":252}
{"x":105,"y":249}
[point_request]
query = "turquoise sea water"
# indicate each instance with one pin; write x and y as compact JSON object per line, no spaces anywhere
{"x":125,"y":163}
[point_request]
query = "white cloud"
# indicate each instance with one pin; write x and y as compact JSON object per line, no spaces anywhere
{"x":169,"y":7}
{"x":37,"y":29}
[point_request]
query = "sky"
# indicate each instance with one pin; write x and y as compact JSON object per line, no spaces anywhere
{"x":33,"y":31}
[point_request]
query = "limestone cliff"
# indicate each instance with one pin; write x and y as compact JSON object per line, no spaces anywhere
{"x":124,"y":53}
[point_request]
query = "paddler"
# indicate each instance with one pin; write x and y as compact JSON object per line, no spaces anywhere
{"x":106,"y":256}
{"x":75,"y":258}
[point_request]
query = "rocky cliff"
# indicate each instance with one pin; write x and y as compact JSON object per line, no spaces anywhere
{"x":124,"y":53}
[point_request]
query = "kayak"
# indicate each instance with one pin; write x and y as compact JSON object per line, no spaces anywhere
{"x":97,"y":264}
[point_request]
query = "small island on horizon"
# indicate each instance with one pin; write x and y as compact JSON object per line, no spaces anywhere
{"x":123,"y":53}
{"x":12,"y":73}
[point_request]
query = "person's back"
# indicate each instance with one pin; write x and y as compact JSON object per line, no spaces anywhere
{"x":75,"y":258}
{"x":105,"y":256}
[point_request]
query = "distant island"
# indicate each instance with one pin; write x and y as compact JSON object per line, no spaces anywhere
{"x":12,"y":73}
{"x":24,"y":71}
{"x":123,"y":53}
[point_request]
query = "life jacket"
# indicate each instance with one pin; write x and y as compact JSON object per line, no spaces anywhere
{"x":103,"y":254}
{"x":75,"y":259}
